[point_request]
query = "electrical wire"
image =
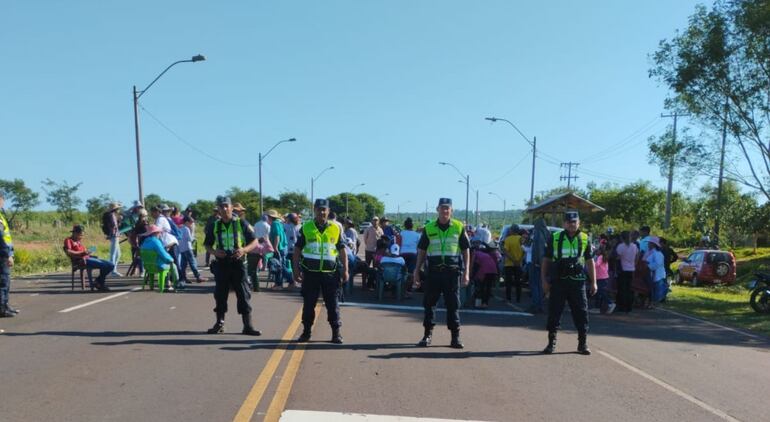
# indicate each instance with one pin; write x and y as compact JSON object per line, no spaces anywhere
{"x":190,"y":145}
{"x":507,"y":172}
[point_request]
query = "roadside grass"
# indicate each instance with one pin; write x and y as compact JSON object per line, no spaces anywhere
{"x":726,"y":304}
{"x":39,"y":248}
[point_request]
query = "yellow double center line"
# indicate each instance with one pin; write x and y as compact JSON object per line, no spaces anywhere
{"x":249,"y":406}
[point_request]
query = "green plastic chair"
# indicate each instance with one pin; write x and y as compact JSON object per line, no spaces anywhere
{"x":151,"y":269}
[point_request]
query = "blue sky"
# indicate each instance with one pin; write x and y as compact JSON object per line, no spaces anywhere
{"x":382,"y":90}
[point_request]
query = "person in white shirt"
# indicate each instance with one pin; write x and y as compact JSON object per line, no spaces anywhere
{"x":262,"y":228}
{"x":170,"y":243}
{"x":186,"y":252}
{"x":409,"y":241}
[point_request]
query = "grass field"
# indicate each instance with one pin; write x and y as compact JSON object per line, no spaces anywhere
{"x":726,"y":304}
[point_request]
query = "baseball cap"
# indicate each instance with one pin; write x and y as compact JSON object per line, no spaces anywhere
{"x":224,"y":200}
{"x":394,"y":249}
{"x":321,"y":203}
{"x":445,"y":202}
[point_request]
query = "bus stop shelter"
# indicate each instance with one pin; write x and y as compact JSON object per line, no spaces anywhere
{"x":555,"y":206}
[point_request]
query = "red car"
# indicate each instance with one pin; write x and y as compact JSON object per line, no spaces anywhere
{"x":707,"y":266}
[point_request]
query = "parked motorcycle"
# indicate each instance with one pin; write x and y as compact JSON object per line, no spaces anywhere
{"x":760,"y":293}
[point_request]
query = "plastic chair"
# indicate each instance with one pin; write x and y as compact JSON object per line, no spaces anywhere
{"x":390,"y":273}
{"x":151,"y":269}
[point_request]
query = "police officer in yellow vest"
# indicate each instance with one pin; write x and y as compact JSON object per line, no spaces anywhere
{"x":445,"y":245}
{"x":316,"y":255}
{"x":6,"y":262}
{"x":229,"y":239}
{"x":568,"y":260}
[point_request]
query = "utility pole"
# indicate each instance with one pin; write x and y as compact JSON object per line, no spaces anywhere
{"x":721,"y":174}
{"x":569,"y":177}
{"x":667,"y":221}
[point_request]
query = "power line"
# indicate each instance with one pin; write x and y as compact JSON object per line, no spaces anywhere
{"x":507,"y":172}
{"x":624,"y":143}
{"x":193,"y":147}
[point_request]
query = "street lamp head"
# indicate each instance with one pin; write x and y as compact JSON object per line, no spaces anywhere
{"x":491,"y":119}
{"x":442,"y":163}
{"x":291,"y":140}
{"x":198,"y":58}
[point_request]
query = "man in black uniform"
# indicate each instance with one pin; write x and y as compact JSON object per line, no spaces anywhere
{"x":229,"y":239}
{"x":568,"y":260}
{"x":445,"y":244}
{"x":315,"y":257}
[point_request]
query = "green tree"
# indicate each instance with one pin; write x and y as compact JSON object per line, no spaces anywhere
{"x":152,"y":200}
{"x":19,"y":199}
{"x":294,"y":202}
{"x":202,"y":209}
{"x":97,"y":205}
{"x":718,"y":68}
{"x":741,"y":215}
{"x":249,"y":198}
{"x":637,"y":203}
{"x":64,"y":197}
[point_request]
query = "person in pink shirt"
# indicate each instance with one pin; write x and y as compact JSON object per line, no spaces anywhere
{"x":484,"y":265}
{"x":604,"y":302}
{"x":627,"y":254}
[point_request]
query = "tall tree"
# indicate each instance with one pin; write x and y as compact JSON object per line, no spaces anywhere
{"x":670,"y":153}
{"x":719,"y":69}
{"x":19,"y":199}
{"x":64,"y":197}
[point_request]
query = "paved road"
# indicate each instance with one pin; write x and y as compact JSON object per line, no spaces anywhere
{"x":143,"y":356}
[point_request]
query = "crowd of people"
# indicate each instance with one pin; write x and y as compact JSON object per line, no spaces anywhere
{"x":613,"y":272}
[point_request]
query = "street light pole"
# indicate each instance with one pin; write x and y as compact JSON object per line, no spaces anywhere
{"x":262,"y":157}
{"x":137,"y":94}
{"x":348,"y":194}
{"x":312,"y":183}
{"x":532,"y":143}
{"x":398,"y":210}
{"x":504,"y":207}
{"x":467,"y":178}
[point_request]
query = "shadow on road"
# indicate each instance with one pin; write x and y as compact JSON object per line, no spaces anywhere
{"x":464,"y":355}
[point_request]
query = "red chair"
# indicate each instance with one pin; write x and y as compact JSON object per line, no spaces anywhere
{"x":79,"y":265}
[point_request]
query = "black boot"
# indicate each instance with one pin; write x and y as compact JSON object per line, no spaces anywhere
{"x":305,"y":336}
{"x":583,"y":345}
{"x":336,"y":337}
{"x":219,"y":326}
{"x":5,"y":312}
{"x":456,"y":343}
{"x":248,"y":329}
{"x":551,"y":343}
{"x":426,"y":339}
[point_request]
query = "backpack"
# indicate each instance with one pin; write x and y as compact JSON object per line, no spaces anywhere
{"x":107,"y":223}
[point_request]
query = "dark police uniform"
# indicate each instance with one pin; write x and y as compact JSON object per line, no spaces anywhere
{"x":443,"y":245}
{"x":230,"y":273}
{"x":320,"y":245}
{"x":568,"y":284}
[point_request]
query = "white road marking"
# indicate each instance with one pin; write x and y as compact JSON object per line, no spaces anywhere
{"x":671,"y":388}
{"x":113,"y":296}
{"x":420,"y":309}
{"x":35,"y":294}
{"x":710,"y":323}
{"x":308,"y":415}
